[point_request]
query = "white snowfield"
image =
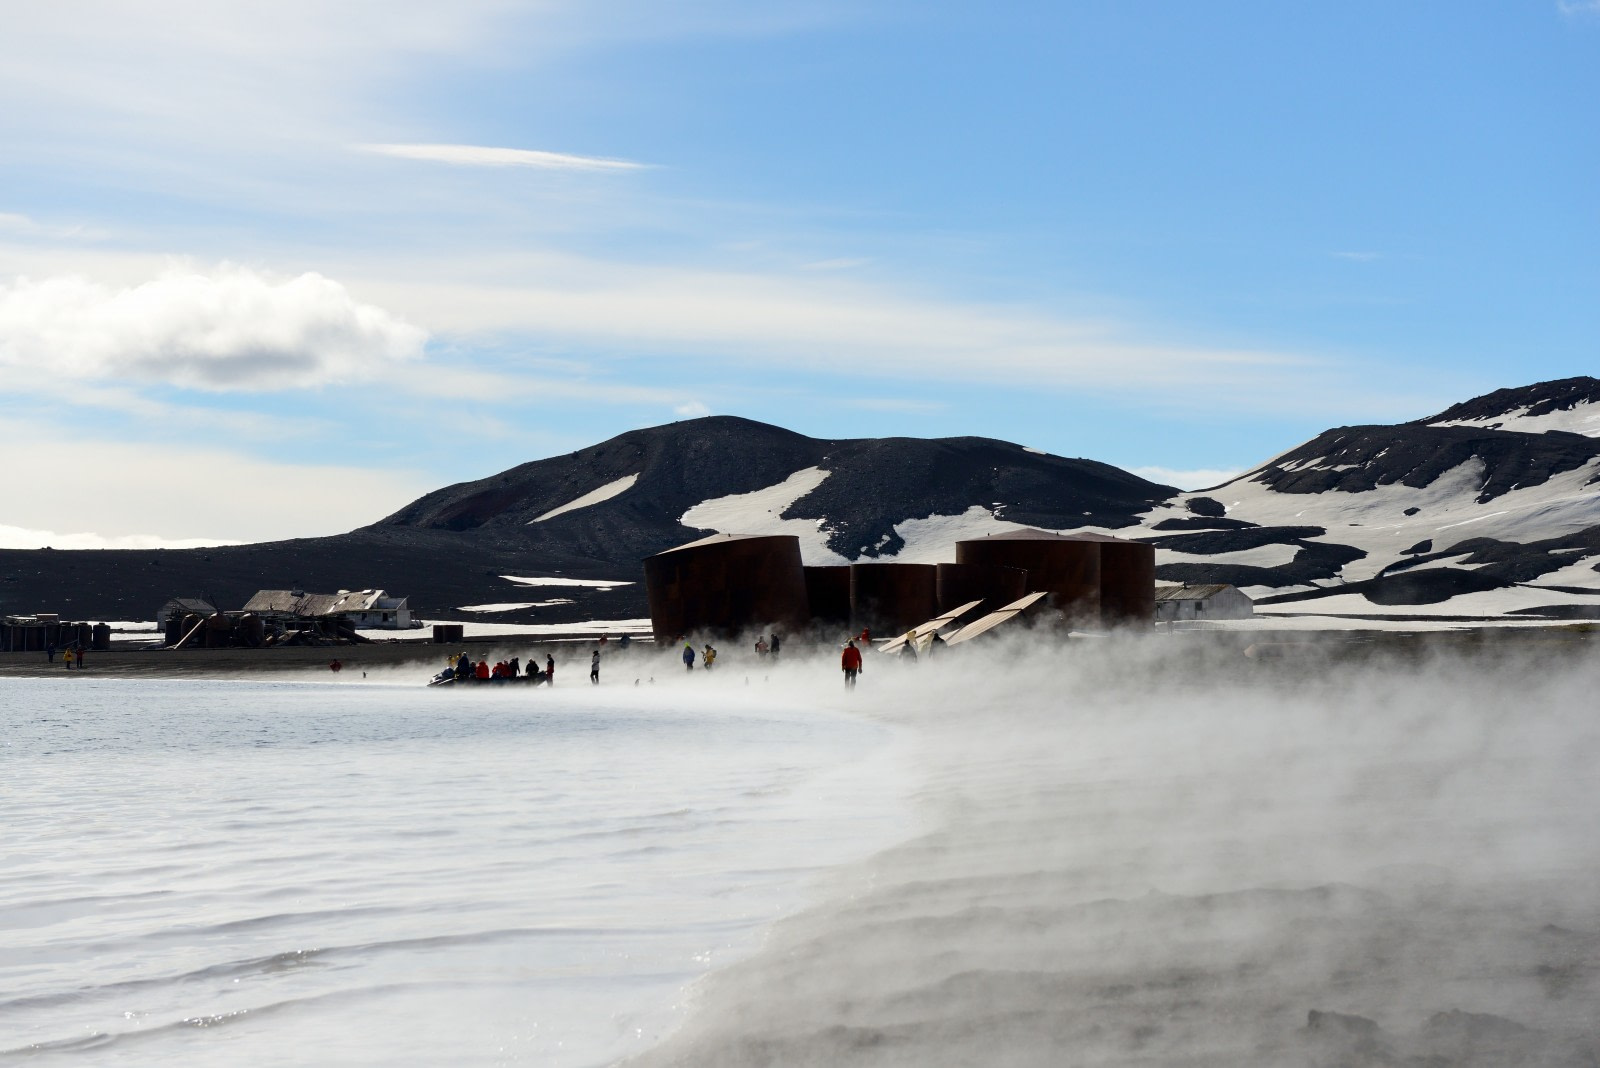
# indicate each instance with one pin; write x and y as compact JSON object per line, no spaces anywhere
{"x":761,"y":511}
{"x":594,"y":496}
{"x":557,"y":580}
{"x":1579,"y":419}
{"x":513,"y":606}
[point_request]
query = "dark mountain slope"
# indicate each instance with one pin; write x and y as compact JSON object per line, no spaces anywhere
{"x":1541,"y":398}
{"x":1353,"y":459}
{"x":451,"y":547}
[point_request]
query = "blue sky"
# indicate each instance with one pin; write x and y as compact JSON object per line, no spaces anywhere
{"x":274,"y":269}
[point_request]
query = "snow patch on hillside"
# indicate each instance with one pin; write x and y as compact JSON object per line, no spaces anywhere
{"x":1579,"y":419}
{"x":557,"y":580}
{"x":933,"y":540}
{"x":595,"y":496}
{"x":761,"y":512}
{"x":1447,"y":512}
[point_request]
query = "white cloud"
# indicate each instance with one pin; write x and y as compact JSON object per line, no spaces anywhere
{"x":225,"y":330}
{"x":118,"y":494}
{"x":691,"y":410}
{"x":1578,"y":7}
{"x":487,"y":156}
{"x":1201,"y":478}
{"x":1358,"y":257}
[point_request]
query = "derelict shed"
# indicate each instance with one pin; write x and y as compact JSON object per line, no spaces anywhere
{"x":726,"y":583}
{"x":957,"y":584}
{"x":1127,"y":581}
{"x":1066,"y":567}
{"x":892,"y":598}
{"x":1205,"y":601}
{"x":828,"y":593}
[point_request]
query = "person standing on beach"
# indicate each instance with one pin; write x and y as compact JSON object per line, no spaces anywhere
{"x":79,"y":657}
{"x":549,"y":669}
{"x":594,"y":667}
{"x":709,"y":657}
{"x":850,"y":661}
{"x":688,"y":656}
{"x":50,"y":653}
{"x":777,"y":640}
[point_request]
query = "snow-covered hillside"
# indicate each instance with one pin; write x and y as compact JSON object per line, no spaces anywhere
{"x":1490,"y":509}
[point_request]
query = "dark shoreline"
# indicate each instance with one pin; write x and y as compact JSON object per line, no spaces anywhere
{"x":128,"y":660}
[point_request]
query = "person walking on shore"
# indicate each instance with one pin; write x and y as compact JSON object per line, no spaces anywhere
{"x":79,"y":657}
{"x":850,"y":661}
{"x":549,"y":669}
{"x":594,"y":667}
{"x":709,"y":657}
{"x":688,"y":657}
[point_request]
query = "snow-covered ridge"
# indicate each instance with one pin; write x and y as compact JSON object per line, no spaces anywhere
{"x":557,"y":580}
{"x":1579,"y":419}
{"x":594,"y":496}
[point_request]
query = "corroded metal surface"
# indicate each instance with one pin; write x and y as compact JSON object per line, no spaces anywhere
{"x":991,"y":585}
{"x":892,"y":598}
{"x":725,"y":584}
{"x":1067,"y":568}
{"x":1127,"y":583}
{"x":828,"y":593}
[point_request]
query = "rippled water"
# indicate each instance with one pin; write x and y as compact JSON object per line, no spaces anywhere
{"x":295,"y":873}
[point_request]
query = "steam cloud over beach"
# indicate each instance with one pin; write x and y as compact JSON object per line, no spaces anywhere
{"x":1137,"y":857}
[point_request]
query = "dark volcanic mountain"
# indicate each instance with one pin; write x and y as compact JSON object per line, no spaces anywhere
{"x":594,"y":514}
{"x":1493,"y":505}
{"x":1499,"y":493}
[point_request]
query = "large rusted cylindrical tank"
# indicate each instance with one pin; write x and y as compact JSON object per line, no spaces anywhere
{"x":892,"y":598}
{"x":959,"y":584}
{"x":828,"y":593}
{"x":725,"y":584}
{"x":100,"y":636}
{"x":1127,"y":581}
{"x":1066,"y":568}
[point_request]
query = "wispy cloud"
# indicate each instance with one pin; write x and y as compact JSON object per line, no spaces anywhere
{"x":691,"y":410}
{"x":1358,"y":257}
{"x":1578,"y":7}
{"x":227,"y":329}
{"x":489,"y":156}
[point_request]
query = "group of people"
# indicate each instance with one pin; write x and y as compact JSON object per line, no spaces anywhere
{"x":708,"y":657}
{"x":466,"y":669}
{"x":765,"y":648}
{"x":72,"y":655}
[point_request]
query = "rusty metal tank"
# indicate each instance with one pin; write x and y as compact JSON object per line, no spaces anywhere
{"x":957,"y":584}
{"x":725,"y":584}
{"x":1065,"y":567}
{"x":828,"y":593}
{"x":892,"y":598}
{"x":1127,"y":581}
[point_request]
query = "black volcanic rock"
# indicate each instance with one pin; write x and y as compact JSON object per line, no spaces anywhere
{"x":1359,"y":458}
{"x":873,"y":483}
{"x":1541,"y":398}
{"x":1200,"y":522}
{"x":450,"y":547}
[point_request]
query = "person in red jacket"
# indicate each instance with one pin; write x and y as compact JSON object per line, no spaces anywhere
{"x":850,"y":660}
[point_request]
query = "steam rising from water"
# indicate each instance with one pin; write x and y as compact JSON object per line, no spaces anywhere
{"x":1144,"y":854}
